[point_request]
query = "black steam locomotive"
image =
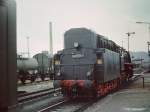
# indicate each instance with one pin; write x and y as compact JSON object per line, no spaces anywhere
{"x":90,"y":64}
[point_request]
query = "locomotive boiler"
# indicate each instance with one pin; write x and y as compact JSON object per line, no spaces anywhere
{"x":90,"y":64}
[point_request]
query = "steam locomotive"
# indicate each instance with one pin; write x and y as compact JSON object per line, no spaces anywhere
{"x":90,"y":64}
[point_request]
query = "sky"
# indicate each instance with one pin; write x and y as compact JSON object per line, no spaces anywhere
{"x":111,"y":18}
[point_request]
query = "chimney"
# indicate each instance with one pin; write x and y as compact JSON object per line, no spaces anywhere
{"x":51,"y":40}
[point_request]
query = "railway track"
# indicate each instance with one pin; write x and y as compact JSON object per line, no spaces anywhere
{"x":63,"y":104}
{"x":30,"y":96}
{"x":85,"y":106}
{"x":69,"y":105}
{"x":53,"y":105}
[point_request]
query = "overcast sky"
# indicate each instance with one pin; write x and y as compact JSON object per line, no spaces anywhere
{"x":111,"y":18}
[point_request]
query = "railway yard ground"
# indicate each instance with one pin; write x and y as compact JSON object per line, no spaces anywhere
{"x":131,"y":98}
{"x":35,"y":86}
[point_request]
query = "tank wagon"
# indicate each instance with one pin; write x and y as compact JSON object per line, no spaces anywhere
{"x":26,"y":68}
{"x":90,"y":64}
{"x":44,"y":64}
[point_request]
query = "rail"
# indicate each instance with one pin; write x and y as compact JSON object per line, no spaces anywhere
{"x":53,"y":105}
{"x":30,"y":96}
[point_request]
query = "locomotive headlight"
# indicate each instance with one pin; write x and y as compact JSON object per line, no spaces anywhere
{"x":57,"y":62}
{"x":76,"y":44}
{"x":99,"y":61}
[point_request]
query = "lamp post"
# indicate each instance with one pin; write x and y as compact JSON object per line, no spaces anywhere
{"x":148,"y":43}
{"x":129,"y":34}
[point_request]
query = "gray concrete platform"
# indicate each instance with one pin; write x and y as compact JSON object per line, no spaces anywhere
{"x":133,"y":98}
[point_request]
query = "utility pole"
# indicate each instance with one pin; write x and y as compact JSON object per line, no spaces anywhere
{"x":28,"y":47}
{"x":129,"y":34}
